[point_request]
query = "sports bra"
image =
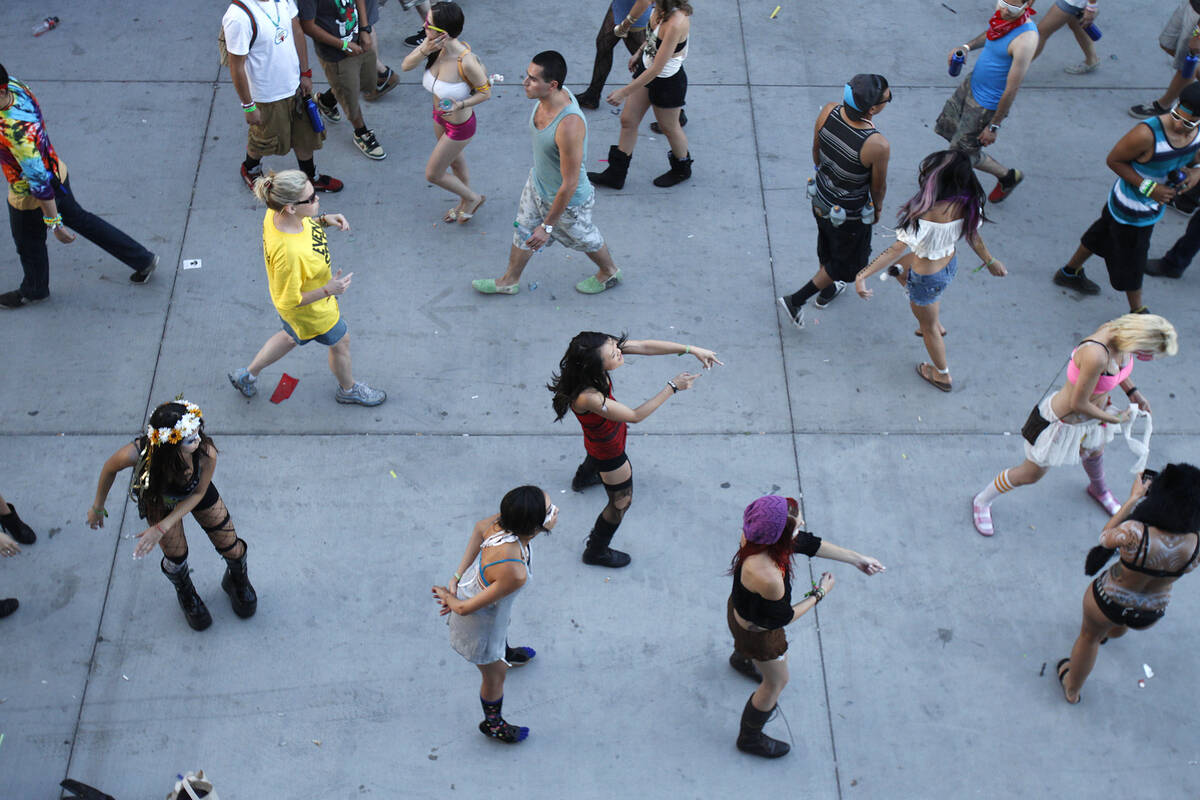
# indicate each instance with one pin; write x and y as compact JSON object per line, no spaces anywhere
{"x":931,"y":240}
{"x":1161,"y":553}
{"x":1107,"y":382}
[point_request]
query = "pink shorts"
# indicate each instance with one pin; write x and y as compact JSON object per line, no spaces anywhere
{"x":460,"y":132}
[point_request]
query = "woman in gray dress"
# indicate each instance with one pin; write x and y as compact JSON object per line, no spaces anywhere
{"x":479,"y":598}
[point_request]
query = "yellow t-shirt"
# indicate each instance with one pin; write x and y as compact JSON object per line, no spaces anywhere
{"x":297,"y":263}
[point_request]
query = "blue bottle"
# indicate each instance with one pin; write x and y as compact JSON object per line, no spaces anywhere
{"x":314,"y":116}
{"x":1176,"y":178}
{"x":956,"y":63}
{"x":1189,"y":66}
{"x":1093,"y":32}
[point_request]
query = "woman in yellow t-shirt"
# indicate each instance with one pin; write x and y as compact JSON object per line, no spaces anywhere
{"x":302,"y":287}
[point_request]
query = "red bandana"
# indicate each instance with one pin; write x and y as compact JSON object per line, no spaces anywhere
{"x":998,"y":26}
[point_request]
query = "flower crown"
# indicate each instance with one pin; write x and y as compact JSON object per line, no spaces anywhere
{"x":188,"y":424}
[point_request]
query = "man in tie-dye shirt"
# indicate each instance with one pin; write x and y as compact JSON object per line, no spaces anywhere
{"x":40,"y":198}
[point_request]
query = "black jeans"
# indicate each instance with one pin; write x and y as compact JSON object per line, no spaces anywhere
{"x":29,"y":234}
{"x":1183,"y":251}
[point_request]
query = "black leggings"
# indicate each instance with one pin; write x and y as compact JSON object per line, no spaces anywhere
{"x":606,"y":40}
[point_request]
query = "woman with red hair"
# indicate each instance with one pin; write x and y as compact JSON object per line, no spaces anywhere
{"x":760,"y":605}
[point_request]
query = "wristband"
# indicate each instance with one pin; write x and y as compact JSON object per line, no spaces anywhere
{"x":306,"y":73}
{"x":100,"y":511}
{"x":1147,"y":187}
{"x":966,"y":48}
{"x":248,"y":105}
{"x":159,"y":528}
{"x":629,"y":19}
{"x":457,"y":577}
{"x":326,"y":291}
{"x":53,"y":222}
{"x":346,"y":45}
{"x":1131,"y":392}
{"x":687,"y":348}
{"x":250,"y":108}
{"x":674,"y":388}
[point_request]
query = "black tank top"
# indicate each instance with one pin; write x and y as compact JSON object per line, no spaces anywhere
{"x":842,"y":178}
{"x":756,"y":609}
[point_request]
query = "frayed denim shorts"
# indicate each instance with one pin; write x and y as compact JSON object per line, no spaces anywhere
{"x":924,"y":290}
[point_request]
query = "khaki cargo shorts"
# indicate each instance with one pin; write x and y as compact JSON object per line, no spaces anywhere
{"x":285,"y":127}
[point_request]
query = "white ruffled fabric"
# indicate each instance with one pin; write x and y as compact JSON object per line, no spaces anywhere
{"x":932,"y":240}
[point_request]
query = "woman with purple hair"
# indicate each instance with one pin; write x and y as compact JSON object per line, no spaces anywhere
{"x":947,"y":207}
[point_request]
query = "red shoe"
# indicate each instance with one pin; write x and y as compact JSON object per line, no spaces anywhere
{"x":249,"y":177}
{"x":324,"y":183}
{"x":1004,"y":188}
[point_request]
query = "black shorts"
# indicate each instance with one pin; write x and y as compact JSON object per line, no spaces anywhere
{"x":843,"y":250}
{"x":610,"y":464}
{"x":666,"y":92}
{"x":1135,"y":618}
{"x":1123,"y":248}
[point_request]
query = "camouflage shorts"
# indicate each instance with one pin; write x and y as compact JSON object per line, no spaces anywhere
{"x":574,"y":228}
{"x":962,"y":120}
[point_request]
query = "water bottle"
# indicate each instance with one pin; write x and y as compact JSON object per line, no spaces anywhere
{"x":837,"y":215}
{"x":1093,"y":32}
{"x":495,"y":77}
{"x":956,"y":63}
{"x":811,"y":188}
{"x":868,"y":213}
{"x":1189,"y":66}
{"x":445,"y":105}
{"x":314,"y":116}
{"x":1176,"y":178}
{"x":45,"y":25}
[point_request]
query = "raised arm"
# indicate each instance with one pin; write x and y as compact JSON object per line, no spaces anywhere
{"x":658,"y":347}
{"x":867,"y":564}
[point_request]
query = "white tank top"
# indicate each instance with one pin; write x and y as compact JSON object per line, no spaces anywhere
{"x":932,"y":240}
{"x":446,"y":90}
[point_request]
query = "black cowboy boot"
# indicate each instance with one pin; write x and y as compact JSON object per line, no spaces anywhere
{"x":680,"y":171}
{"x":193,"y":607}
{"x":236,"y":584}
{"x":618,"y":168}
{"x":752,"y":740}
{"x":16,"y":527}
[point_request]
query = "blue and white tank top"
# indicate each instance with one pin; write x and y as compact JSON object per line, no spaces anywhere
{"x":1129,"y":206}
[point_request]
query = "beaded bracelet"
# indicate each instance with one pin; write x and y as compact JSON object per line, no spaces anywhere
{"x":53,"y":222}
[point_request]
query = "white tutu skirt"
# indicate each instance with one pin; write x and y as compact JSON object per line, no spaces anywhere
{"x":1060,"y":442}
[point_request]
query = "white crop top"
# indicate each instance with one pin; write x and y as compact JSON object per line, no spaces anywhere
{"x":446,"y":90}
{"x":932,"y":240}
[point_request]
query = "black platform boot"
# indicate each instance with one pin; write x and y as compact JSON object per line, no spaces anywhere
{"x":598,"y":553}
{"x":680,"y":171}
{"x":193,"y":607}
{"x":753,"y":740}
{"x":236,"y":584}
{"x":618,"y":168}
{"x":16,"y":527}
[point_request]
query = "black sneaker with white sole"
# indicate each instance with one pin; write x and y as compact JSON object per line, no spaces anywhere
{"x":417,"y":39}
{"x":14,"y":299}
{"x":823,"y":302}
{"x":142,"y":275}
{"x":1076,"y":280}
{"x":794,"y":313}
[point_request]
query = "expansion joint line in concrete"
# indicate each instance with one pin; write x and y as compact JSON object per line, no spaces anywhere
{"x":112,"y":567}
{"x":780,"y":332}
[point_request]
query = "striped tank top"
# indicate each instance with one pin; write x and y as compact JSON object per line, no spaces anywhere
{"x":1127,"y":205}
{"x":842,"y":178}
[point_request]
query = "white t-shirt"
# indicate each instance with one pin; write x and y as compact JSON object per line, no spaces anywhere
{"x":273,"y":66}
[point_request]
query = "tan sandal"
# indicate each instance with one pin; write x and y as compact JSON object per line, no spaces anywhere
{"x":451,"y":215}
{"x":465,"y":216}
{"x":928,"y":375}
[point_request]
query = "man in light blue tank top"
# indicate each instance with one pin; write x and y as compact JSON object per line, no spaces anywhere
{"x":1146,"y":161}
{"x":972,"y":117}
{"x":556,"y":204}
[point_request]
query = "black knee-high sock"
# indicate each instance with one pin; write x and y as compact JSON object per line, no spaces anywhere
{"x":806,"y":291}
{"x":309,"y":167}
{"x":602,"y":533}
{"x":828,"y":292}
{"x":252,"y":163}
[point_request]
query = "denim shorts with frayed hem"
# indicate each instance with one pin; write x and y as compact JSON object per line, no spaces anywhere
{"x":924,"y":290}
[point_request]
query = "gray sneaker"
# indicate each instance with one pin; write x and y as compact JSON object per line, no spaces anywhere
{"x":244,"y":382}
{"x":361,"y":394}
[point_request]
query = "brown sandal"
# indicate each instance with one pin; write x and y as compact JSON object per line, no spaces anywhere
{"x":451,"y":216}
{"x":927,"y":375}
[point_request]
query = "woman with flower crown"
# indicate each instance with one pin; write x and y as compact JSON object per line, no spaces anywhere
{"x":173,"y":466}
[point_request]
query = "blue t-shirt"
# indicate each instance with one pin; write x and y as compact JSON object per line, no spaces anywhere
{"x":621,"y":9}
{"x":991,"y":70}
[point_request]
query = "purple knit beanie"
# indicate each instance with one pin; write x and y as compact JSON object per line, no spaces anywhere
{"x":764,"y":519}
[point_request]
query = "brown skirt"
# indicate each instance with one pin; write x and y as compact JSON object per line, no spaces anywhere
{"x":758,"y":645}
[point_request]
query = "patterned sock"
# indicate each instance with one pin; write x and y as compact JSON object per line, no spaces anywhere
{"x":494,"y":725}
{"x":994,"y":489}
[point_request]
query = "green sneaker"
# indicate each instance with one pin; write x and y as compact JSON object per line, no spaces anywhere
{"x":592,"y":286}
{"x":488,"y":286}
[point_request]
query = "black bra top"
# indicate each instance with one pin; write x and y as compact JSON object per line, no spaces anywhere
{"x":1144,"y":550}
{"x":756,"y":609}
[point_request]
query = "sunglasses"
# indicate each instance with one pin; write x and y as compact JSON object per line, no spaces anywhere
{"x":550,"y":513}
{"x":430,"y":26}
{"x":1189,"y":124}
{"x":312,"y":198}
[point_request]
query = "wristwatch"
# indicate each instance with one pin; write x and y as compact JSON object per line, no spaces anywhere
{"x":995,"y":126}
{"x":364,"y":28}
{"x":549,"y":229}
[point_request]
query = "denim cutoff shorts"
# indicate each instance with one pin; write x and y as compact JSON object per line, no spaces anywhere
{"x":924,"y":290}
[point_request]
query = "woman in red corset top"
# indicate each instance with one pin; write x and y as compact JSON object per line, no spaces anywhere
{"x":583,"y":385}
